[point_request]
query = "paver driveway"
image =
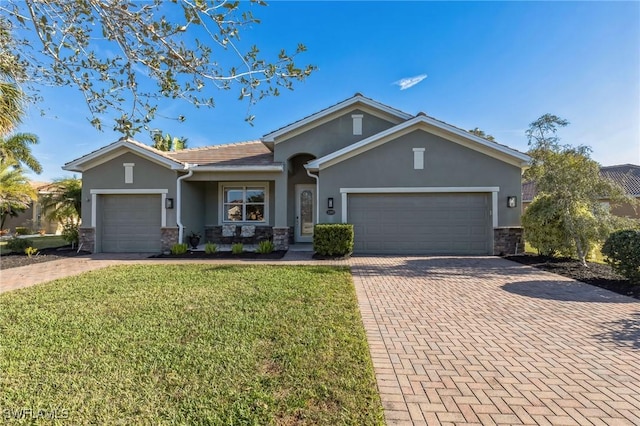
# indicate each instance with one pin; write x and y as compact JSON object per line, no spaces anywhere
{"x":488,"y":341}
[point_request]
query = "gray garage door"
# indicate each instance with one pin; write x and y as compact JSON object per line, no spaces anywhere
{"x":130,"y":223}
{"x":421,"y":223}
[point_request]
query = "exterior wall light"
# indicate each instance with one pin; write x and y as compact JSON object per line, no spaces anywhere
{"x":168,"y":203}
{"x":330,"y":202}
{"x":512,"y":201}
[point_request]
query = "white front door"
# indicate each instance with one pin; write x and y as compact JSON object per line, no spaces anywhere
{"x":305,"y":212}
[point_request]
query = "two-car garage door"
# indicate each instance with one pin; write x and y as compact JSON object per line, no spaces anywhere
{"x":130,"y":223}
{"x":432,"y":223}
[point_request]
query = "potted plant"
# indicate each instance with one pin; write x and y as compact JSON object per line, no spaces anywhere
{"x":194,"y":240}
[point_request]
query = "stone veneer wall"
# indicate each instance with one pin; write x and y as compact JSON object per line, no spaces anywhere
{"x":281,"y":238}
{"x":168,"y":237}
{"x":507,"y":240}
{"x":87,"y":239}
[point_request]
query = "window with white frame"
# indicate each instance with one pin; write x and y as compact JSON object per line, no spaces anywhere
{"x":244,"y":203}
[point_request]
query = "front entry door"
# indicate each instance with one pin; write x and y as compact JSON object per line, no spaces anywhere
{"x":305,"y":212}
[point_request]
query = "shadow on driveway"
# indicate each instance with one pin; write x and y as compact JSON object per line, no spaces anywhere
{"x":624,"y":332}
{"x":566,"y":291}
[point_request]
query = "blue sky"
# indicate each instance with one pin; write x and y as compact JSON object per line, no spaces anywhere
{"x":493,"y":65}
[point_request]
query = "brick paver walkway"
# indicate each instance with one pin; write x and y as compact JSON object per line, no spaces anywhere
{"x":472,"y":340}
{"x":488,"y":341}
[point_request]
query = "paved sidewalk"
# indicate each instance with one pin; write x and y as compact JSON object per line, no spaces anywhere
{"x":471,"y":340}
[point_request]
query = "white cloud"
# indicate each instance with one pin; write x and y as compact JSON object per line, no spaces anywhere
{"x":408,"y":82}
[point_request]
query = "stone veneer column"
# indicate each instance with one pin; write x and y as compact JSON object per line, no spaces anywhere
{"x":507,"y":240}
{"x":168,"y":237}
{"x":87,"y":238}
{"x":281,"y":238}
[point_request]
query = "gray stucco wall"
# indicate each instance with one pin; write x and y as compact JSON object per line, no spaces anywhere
{"x":330,"y":136}
{"x":110,"y":175}
{"x":193,"y":208}
{"x":446,"y":164}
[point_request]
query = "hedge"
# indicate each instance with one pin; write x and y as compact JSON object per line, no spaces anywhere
{"x":333,"y":239}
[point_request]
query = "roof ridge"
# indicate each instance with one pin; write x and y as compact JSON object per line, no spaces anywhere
{"x":218,"y":146}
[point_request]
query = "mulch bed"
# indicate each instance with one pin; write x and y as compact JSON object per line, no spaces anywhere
{"x":596,"y":274}
{"x":277,"y":254}
{"x":14,"y":260}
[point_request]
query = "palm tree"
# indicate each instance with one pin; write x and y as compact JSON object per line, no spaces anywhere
{"x":15,"y":149}
{"x":11,"y":106}
{"x":64,"y":200}
{"x":16,"y":193}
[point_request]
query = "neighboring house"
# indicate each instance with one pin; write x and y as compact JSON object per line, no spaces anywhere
{"x":34,"y":218}
{"x":625,"y":175}
{"x":408,"y":184}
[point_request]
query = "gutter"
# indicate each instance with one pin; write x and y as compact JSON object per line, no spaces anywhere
{"x":187,"y":167}
{"x":317,"y":178}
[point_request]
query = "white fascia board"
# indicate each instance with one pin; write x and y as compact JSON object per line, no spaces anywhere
{"x":419,"y":189}
{"x":128,"y":191}
{"x":274,"y":168}
{"x":370,"y":142}
{"x":491,"y":145}
{"x":270,"y":137}
{"x":111,"y":151}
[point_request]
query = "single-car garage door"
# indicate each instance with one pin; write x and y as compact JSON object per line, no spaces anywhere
{"x":440,"y":223}
{"x":130,"y":223}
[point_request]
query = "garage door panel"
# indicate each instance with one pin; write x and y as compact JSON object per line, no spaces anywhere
{"x":130,"y":223}
{"x":421,"y":223}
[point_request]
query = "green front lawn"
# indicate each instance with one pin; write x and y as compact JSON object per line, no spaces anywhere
{"x":39,"y":242}
{"x":190,"y":344}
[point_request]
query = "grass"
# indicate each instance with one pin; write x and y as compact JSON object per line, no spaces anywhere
{"x":39,"y":242}
{"x":190,"y":344}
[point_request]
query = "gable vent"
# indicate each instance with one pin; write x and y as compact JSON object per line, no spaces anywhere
{"x":357,"y":123}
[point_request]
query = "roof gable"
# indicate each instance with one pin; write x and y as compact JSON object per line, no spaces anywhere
{"x":355,"y":102}
{"x":430,"y":125}
{"x":118,"y":148}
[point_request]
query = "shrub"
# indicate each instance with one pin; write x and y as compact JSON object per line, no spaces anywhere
{"x":265,"y":247}
{"x":22,"y":230}
{"x":70,"y":233}
{"x":622,"y":250}
{"x":18,"y":245}
{"x":331,"y":239}
{"x":210,"y":248}
{"x":30,"y":251}
{"x":237,"y":248}
{"x":179,"y":248}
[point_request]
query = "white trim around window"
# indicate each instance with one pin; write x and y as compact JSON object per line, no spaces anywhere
{"x":244,"y":187}
{"x":344,"y":192}
{"x":94,"y":200}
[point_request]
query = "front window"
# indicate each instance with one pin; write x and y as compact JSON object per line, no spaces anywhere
{"x":244,"y":204}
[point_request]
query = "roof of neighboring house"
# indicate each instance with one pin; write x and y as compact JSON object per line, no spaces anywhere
{"x":251,"y":153}
{"x":625,"y":175}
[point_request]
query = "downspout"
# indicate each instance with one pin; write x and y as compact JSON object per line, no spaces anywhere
{"x":187,"y":167}
{"x":317,"y":178}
